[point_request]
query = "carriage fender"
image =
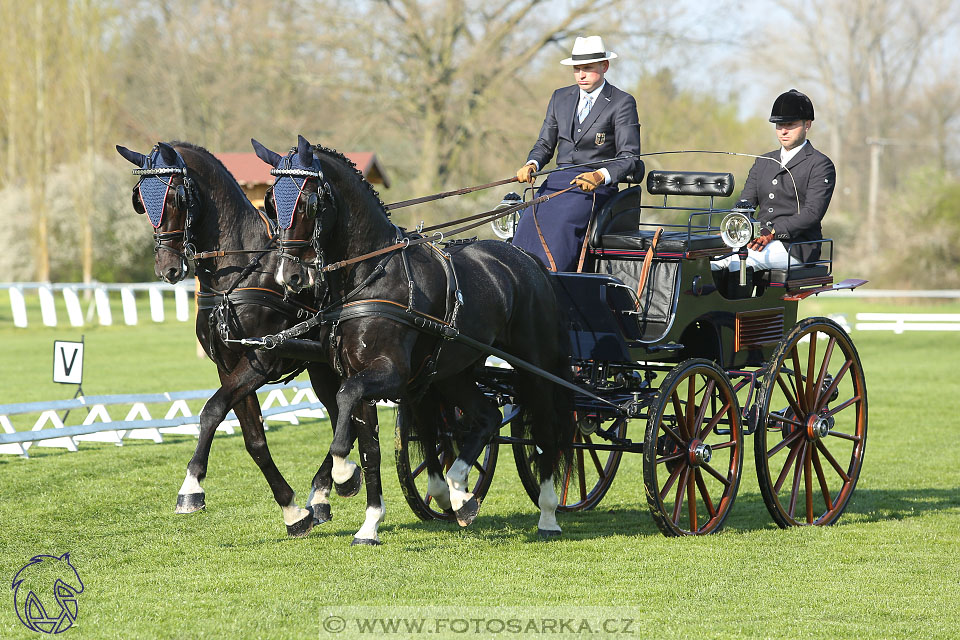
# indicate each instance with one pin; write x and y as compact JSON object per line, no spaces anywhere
{"x":702,"y":338}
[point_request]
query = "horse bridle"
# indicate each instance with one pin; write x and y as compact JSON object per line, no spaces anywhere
{"x":320,"y":207}
{"x":186,"y":197}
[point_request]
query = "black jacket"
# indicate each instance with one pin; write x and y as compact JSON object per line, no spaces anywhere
{"x":770,"y":188}
{"x":610,"y":129}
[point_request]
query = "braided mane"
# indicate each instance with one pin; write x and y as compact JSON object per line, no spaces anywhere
{"x":318,"y":148}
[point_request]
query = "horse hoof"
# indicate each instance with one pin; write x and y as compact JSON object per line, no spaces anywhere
{"x":365,"y":542}
{"x":351,"y":487}
{"x":467,"y":513}
{"x":301,"y":527}
{"x":190,"y":503}
{"x":321,"y":513}
{"x":548,"y":534}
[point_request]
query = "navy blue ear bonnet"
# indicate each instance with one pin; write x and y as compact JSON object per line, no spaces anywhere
{"x":154,"y":185}
{"x":291,"y":175}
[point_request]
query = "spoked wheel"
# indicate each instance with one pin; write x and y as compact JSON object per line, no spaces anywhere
{"x":588,"y":477}
{"x":813,"y":425}
{"x":693,"y":450}
{"x":412,"y":466}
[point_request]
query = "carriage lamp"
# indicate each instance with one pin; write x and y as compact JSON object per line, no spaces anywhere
{"x":505,"y":226}
{"x":737,"y":230}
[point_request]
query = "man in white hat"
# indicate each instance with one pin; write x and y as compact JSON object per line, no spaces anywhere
{"x":588,"y":122}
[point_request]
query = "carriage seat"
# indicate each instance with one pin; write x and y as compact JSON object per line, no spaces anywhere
{"x":617,"y":224}
{"x":690,"y":183}
{"x":670,"y":241}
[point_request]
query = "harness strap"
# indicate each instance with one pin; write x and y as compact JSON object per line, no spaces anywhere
{"x":269,"y":298}
{"x":422,"y":322}
{"x":586,"y":236}
{"x":647,"y":261}
{"x":543,"y":241}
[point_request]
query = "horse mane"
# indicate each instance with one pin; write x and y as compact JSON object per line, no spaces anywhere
{"x":214,"y":160}
{"x":318,"y":148}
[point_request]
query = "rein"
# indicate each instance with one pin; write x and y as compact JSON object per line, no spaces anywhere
{"x":447,"y":194}
{"x":484,"y":217}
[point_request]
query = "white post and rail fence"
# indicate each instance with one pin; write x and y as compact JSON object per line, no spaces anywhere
{"x":49,"y":429}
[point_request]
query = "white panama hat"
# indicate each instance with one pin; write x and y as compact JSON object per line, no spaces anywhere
{"x":587,"y":50}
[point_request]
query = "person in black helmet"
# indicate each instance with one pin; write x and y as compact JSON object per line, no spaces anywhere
{"x":790,"y":188}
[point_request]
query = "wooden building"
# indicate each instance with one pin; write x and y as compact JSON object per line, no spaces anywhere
{"x":253,"y":174}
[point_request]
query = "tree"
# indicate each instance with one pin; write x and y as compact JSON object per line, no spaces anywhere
{"x":876,"y":65}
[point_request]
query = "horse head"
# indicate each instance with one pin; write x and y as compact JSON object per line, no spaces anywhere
{"x":302,"y":202}
{"x":167,"y":194}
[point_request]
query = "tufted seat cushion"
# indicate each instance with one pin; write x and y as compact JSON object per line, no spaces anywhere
{"x":689,"y":183}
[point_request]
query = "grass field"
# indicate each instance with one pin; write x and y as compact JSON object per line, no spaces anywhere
{"x":889,"y":569}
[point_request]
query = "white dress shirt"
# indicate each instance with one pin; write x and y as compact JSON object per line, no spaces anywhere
{"x":787,"y":156}
{"x":583,"y":96}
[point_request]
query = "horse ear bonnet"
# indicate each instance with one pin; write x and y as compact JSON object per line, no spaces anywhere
{"x":154,"y":189}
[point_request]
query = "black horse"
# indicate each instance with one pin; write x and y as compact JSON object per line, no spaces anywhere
{"x":487,"y":290}
{"x":197,"y":208}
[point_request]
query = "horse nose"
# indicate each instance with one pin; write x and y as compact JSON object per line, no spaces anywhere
{"x":172,"y":275}
{"x":295,"y":281}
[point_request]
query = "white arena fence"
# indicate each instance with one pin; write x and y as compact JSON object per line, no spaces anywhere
{"x":98,"y":304}
{"x":96,"y":298}
{"x":90,"y":417}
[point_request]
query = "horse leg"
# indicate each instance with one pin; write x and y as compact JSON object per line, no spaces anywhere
{"x":381,"y":379}
{"x":480,"y":423}
{"x":298,"y":521}
{"x":239,"y":393}
{"x":369,"y":440}
{"x":324,"y":383}
{"x":428,"y":419}
{"x":191,"y":497}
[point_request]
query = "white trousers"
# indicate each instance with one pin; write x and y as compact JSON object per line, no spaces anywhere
{"x":773,"y":256}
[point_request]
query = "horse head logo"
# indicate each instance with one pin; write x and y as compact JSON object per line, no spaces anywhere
{"x":45,"y":593}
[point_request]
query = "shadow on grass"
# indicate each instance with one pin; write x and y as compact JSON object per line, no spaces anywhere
{"x":749,"y":514}
{"x":877,"y":505}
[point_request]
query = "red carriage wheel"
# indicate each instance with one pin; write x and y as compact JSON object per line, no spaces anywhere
{"x":583,"y":482}
{"x":693,"y":450}
{"x":412,"y":468}
{"x":813,"y":425}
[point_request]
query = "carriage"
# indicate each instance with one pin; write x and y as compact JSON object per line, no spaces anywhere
{"x":679,"y":363}
{"x":668,"y":358}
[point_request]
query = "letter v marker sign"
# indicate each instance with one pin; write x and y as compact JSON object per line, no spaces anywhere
{"x":67,"y":362}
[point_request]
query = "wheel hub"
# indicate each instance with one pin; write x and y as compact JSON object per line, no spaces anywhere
{"x":818,"y":427}
{"x":700,"y":453}
{"x":588,"y":426}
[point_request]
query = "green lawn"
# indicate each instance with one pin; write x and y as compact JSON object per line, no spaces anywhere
{"x":889,"y":569}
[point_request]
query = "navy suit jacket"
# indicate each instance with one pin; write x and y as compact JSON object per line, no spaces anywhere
{"x":770,"y":188}
{"x":611,"y":129}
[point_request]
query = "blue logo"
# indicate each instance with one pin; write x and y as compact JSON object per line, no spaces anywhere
{"x":45,"y":592}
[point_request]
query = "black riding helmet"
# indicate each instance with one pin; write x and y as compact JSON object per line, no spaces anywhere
{"x":791,"y":106}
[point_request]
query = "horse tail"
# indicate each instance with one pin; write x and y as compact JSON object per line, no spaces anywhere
{"x":549,"y":406}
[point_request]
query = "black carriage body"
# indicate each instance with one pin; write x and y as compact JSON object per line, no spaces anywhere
{"x":687,"y":316}
{"x":685,"y":310}
{"x":666,"y":353}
